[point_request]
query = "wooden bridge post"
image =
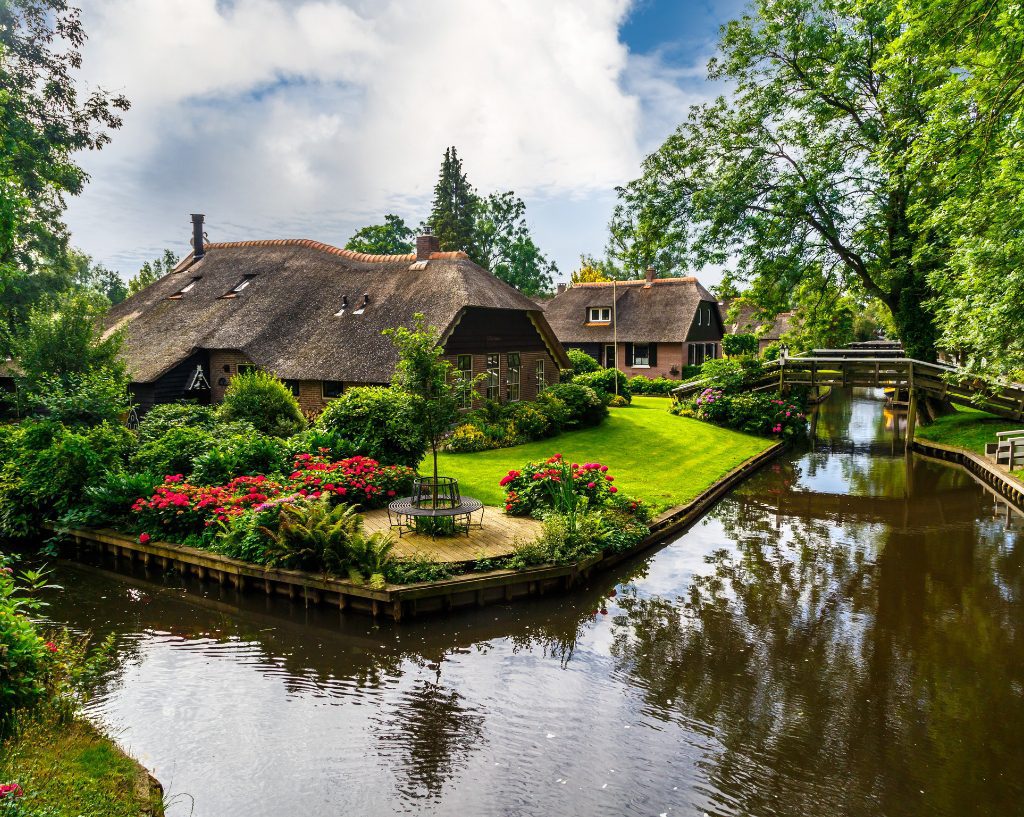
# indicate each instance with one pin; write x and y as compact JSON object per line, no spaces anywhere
{"x":911,"y":412}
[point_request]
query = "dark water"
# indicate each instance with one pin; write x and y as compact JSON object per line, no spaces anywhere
{"x":840,"y":636}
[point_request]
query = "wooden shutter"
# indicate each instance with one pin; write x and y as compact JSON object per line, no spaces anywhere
{"x":629,"y":354}
{"x":653,"y":352}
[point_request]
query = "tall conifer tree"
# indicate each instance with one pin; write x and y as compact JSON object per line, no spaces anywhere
{"x":453,"y":211}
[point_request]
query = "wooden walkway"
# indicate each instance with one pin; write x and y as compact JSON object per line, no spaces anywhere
{"x":499,"y":536}
{"x":878,"y":368}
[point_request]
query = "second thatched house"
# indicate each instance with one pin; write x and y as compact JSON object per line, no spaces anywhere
{"x":313,"y":315}
{"x":746,"y":321}
{"x":652,"y":327}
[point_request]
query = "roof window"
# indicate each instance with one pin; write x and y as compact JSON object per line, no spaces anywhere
{"x":239,"y":286}
{"x":599,"y":314}
{"x":187,"y":288}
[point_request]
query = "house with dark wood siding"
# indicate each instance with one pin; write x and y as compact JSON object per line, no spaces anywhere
{"x":314,"y":314}
{"x":652,"y":327}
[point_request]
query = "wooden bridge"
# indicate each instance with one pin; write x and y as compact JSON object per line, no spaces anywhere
{"x":881,"y":367}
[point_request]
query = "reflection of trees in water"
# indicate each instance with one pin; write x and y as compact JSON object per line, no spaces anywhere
{"x":427,"y":736}
{"x":837,"y":682}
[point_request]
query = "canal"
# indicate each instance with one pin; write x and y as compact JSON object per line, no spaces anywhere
{"x":841,"y":635}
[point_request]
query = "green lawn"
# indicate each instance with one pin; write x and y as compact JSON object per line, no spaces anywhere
{"x":654,"y":456}
{"x":70,"y":770}
{"x":967,"y":428}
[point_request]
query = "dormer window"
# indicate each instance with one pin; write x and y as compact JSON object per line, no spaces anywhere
{"x":240,"y":286}
{"x":363,"y":305}
{"x":187,"y":288}
{"x":599,"y":314}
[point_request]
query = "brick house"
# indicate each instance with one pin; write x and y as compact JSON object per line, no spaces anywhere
{"x":652,"y":327}
{"x":313,"y":315}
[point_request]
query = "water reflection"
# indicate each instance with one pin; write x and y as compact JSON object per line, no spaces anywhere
{"x":841,"y":635}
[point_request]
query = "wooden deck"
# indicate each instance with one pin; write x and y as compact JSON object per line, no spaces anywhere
{"x":499,"y":536}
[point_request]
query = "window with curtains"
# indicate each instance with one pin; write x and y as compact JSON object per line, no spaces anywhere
{"x":539,"y":375}
{"x":641,"y":354}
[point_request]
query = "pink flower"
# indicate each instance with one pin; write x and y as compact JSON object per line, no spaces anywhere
{"x":613,"y":489}
{"x":50,"y":646}
{"x":591,"y":484}
{"x":10,"y":790}
{"x":143,"y":538}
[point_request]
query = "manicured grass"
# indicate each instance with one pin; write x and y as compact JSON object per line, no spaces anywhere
{"x":70,"y":770}
{"x":967,"y":428}
{"x":654,"y":456}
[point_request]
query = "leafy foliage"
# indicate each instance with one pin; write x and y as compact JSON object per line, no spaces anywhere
{"x":393,"y":237}
{"x":582,"y":363}
{"x":607,"y":383}
{"x":175,"y":452}
{"x":506,"y":247}
{"x":240,"y":455}
{"x":739,"y":344}
{"x":152,"y":271}
{"x":376,"y":422}
{"x":453,"y":211}
{"x":262,"y":400}
{"x":584,"y":406}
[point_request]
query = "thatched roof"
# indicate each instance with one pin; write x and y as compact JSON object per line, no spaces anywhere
{"x":747,"y":319}
{"x":285,"y":321}
{"x":659,"y":312}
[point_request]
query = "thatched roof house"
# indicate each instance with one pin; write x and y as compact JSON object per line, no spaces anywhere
{"x":313,"y":315}
{"x":652,"y":327}
{"x":746,"y":319}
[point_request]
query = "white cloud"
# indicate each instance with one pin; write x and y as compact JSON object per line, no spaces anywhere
{"x":312,"y":118}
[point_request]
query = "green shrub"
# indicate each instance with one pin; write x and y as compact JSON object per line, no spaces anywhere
{"x":724,"y":374}
{"x":377,"y":422}
{"x":739,"y":345}
{"x":603,"y":382}
{"x":772,"y":351}
{"x":565,"y":538}
{"x":49,"y":469}
{"x":162,"y":418}
{"x":582,"y":363}
{"x":618,"y":401}
{"x":23,"y":654}
{"x":86,"y":398}
{"x":108,"y":502}
{"x":752,"y":412}
{"x":661,"y":386}
{"x":174,"y":452}
{"x":415,"y":570}
{"x":584,"y":406}
{"x":554,"y":408}
{"x":240,"y":455}
{"x":317,"y":441}
{"x":261,"y":399}
{"x":529,"y":420}
{"x":468,"y":438}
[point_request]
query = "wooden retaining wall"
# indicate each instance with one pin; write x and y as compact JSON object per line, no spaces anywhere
{"x":400,"y":601}
{"x":1002,"y":482}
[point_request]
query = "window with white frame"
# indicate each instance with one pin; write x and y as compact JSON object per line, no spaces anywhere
{"x":641,"y":354}
{"x":539,"y":375}
{"x":493,"y":374}
{"x":513,"y":360}
{"x":466,"y":375}
{"x":599,"y":314}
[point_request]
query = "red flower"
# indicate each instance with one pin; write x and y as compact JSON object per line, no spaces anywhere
{"x":143,"y":538}
{"x":10,"y":790}
{"x":50,"y":646}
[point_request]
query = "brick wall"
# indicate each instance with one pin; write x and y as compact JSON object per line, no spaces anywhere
{"x":224,"y":365}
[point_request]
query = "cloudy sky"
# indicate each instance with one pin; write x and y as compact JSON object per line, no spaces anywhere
{"x":310,"y":118}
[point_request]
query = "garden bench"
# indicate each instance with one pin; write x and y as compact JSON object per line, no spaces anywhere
{"x":403,"y":513}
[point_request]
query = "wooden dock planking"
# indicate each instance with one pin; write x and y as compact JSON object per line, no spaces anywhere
{"x":499,"y":536}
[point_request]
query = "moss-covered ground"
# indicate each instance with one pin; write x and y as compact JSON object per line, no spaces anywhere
{"x":69,"y":770}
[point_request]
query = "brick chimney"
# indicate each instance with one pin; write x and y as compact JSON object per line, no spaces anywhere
{"x":560,"y":289}
{"x":198,"y":248}
{"x":425,"y":245}
{"x":650,"y":275}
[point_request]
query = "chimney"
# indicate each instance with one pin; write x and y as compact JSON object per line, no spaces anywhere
{"x":425,"y":245}
{"x":560,"y":289}
{"x":650,"y":275}
{"x":198,"y":250}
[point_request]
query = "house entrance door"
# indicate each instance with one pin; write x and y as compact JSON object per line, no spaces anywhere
{"x":609,"y":356}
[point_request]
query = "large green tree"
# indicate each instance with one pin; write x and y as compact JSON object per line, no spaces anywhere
{"x":506,"y":247}
{"x":44,"y":121}
{"x":454,"y":208}
{"x":393,"y":237}
{"x":805,"y":174}
{"x":152,"y":271}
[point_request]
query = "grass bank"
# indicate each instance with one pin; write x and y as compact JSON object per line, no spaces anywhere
{"x":655,"y":456}
{"x":966,"y":428}
{"x":67,"y":770}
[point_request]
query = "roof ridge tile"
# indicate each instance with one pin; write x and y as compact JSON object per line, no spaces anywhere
{"x":309,"y":243}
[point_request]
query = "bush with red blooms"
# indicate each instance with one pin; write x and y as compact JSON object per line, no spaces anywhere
{"x":538,"y":484}
{"x":179,"y":509}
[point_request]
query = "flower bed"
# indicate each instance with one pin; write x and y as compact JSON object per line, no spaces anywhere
{"x":531,"y":488}
{"x":752,"y":412}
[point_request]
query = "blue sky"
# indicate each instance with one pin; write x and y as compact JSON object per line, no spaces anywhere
{"x":310,"y":118}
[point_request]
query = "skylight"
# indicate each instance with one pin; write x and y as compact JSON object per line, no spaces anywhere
{"x":187,"y":288}
{"x":239,"y":286}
